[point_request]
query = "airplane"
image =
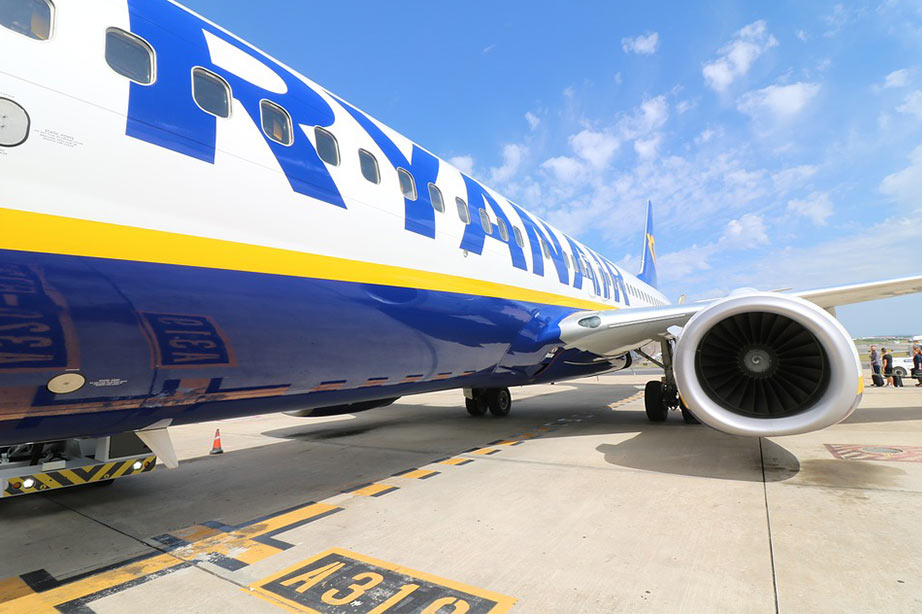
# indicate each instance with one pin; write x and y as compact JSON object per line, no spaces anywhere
{"x":193,"y":231}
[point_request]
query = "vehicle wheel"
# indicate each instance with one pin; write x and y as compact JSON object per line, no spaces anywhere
{"x":689,"y":417}
{"x":653,"y":401}
{"x":900,"y":371}
{"x":476,"y":406}
{"x":499,"y":401}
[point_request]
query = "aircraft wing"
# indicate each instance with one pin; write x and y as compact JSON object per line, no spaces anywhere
{"x":858,"y":293}
{"x":613,"y":332}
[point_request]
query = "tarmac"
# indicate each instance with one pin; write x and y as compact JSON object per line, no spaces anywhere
{"x":574,"y":503}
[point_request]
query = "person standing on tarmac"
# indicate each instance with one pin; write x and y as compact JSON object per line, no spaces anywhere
{"x":917,"y":364}
{"x":875,"y":363}
{"x":888,"y":366}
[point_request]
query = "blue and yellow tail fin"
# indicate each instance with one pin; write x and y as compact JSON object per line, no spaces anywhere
{"x":648,"y":261}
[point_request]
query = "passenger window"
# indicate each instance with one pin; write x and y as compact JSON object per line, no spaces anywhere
{"x":369,"y":166}
{"x":545,"y":249}
{"x":129,"y":56}
{"x":276,"y":123}
{"x":211,"y":93}
{"x":407,"y":184}
{"x":327,"y":147}
{"x":463,"y":212}
{"x":566,"y":259}
{"x":30,"y":18}
{"x":485,"y":221}
{"x":518,"y":236}
{"x":503,"y":230}
{"x":435,"y":197}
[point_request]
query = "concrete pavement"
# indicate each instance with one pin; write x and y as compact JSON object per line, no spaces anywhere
{"x":572,"y":504}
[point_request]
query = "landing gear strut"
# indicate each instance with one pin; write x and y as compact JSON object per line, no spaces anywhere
{"x":498,"y":401}
{"x":662,"y":396}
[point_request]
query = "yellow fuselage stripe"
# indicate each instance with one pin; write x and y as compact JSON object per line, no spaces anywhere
{"x":39,"y":232}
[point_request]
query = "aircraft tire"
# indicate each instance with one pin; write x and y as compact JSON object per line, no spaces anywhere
{"x":653,"y":402}
{"x":689,"y":417}
{"x":499,"y":400}
{"x":476,"y":406}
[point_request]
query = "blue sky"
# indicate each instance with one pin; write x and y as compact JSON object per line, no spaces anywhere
{"x":781,"y":143}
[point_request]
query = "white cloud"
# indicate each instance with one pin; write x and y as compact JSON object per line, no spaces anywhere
{"x":646,"y":148}
{"x":596,"y":148}
{"x":898,"y":78}
{"x":746,"y":232}
{"x":645,"y":45}
{"x":488,"y":49}
{"x":905,"y":186}
{"x":618,"y":78}
{"x":912,"y":104}
{"x":779,"y":102}
{"x":817,"y":207}
{"x":802,"y":35}
{"x":652,"y":115}
{"x":790,"y":178}
{"x":465,"y":164}
{"x":512,"y":160}
{"x":704,"y":137}
{"x":685,"y":106}
{"x":533,"y":120}
{"x":564,"y":168}
{"x":737,"y":56}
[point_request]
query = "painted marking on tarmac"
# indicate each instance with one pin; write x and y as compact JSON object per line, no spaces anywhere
{"x":339,"y":581}
{"x":235,"y":547}
{"x":74,"y":595}
{"x":373,"y":490}
{"x":456,"y":461}
{"x":485,"y":451}
{"x":899,"y":454}
{"x":13,"y":588}
{"x":634,"y":397}
{"x":416,"y":474}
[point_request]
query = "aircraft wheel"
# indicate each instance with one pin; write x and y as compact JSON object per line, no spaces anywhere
{"x":499,"y":401}
{"x":476,"y":406}
{"x":653,"y":402}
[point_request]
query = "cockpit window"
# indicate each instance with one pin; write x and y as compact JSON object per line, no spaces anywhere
{"x":129,"y":56}
{"x":30,"y":18}
{"x":211,"y":92}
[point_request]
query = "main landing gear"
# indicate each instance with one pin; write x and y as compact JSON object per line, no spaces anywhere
{"x":498,"y":401}
{"x":661,"y":397}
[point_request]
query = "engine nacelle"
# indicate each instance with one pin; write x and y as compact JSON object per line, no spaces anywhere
{"x":767,"y":364}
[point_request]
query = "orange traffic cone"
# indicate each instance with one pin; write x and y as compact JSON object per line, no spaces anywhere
{"x":216,"y":446}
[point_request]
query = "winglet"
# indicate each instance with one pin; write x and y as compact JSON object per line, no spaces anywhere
{"x":648,"y":261}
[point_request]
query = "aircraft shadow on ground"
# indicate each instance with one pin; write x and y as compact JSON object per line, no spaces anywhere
{"x":671,"y":448}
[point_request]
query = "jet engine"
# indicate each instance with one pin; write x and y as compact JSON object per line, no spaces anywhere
{"x":767,"y":364}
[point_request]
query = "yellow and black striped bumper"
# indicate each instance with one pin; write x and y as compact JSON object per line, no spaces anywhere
{"x":62,"y":478}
